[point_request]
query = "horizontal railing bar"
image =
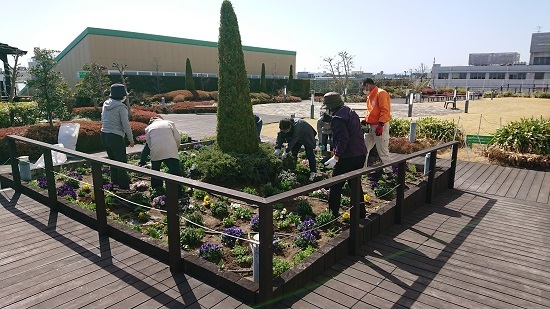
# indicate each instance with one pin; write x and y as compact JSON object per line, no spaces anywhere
{"x":245,"y":197}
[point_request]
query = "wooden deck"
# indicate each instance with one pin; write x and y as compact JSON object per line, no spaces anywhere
{"x":48,"y":260}
{"x":485,"y":244}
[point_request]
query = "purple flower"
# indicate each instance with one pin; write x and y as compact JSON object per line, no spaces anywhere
{"x":108,"y":186}
{"x":65,"y":190}
{"x":308,"y":225}
{"x":75,"y":175}
{"x":42,"y":182}
{"x":211,"y":252}
{"x":255,"y":223}
{"x":231,"y":231}
{"x":159,"y":201}
{"x":305,"y":239}
{"x":106,"y":170}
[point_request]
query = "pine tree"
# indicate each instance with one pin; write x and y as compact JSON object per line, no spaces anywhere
{"x":290,"y":83}
{"x":189,"y":82}
{"x":236,"y":130}
{"x":263,"y":86}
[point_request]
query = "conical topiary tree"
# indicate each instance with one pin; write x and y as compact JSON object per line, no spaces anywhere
{"x":263,"y":86}
{"x":189,"y":82}
{"x":236,"y":130}
{"x":290,"y":83}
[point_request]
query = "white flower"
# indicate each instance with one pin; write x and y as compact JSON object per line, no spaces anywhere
{"x":235,"y":205}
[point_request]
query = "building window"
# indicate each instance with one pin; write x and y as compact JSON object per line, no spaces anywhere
{"x":517,"y":75}
{"x":539,"y":75}
{"x":496,"y":75}
{"x":458,"y":76}
{"x":477,"y":75}
{"x":541,"y":61}
{"x":443,"y":76}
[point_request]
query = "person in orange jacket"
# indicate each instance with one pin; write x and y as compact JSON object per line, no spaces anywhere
{"x":378,"y":118}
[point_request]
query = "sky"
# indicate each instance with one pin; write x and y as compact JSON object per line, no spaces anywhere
{"x":392,"y":36}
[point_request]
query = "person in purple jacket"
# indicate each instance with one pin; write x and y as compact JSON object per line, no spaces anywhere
{"x":349,"y":152}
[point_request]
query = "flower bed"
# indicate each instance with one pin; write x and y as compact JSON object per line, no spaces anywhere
{"x":216,"y":228}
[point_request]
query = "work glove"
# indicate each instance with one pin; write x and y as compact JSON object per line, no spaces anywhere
{"x":277,"y":152}
{"x":331,"y":162}
{"x":283,"y":156}
{"x":379,"y":129}
{"x":363,"y":122}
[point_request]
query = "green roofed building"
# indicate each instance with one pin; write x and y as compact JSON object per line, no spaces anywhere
{"x":147,"y":54}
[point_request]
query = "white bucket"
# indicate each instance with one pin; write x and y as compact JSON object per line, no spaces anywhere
{"x":23,"y":158}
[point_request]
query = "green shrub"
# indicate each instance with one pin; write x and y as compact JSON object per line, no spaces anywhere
{"x":400,"y":127}
{"x":195,"y":217}
{"x":541,"y":95}
{"x":219,"y":209}
{"x":228,"y":221}
{"x":525,"y":136}
{"x":437,"y":129}
{"x":250,"y":190}
{"x":269,"y":190}
{"x":229,"y":169}
{"x":302,"y":254}
{"x":280,"y":266}
{"x":18,"y":114}
{"x":190,"y":237}
{"x":323,"y":219}
{"x":199,"y":194}
{"x":242,"y":213}
{"x":304,"y":208}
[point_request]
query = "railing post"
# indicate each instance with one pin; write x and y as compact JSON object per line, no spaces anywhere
{"x":14,"y":165}
{"x":431,"y":177}
{"x":452,"y":170}
{"x":101,"y":213}
{"x":400,"y":192}
{"x":355,"y":186}
{"x":266,"y":254}
{"x":50,"y":178}
{"x":174,"y":248}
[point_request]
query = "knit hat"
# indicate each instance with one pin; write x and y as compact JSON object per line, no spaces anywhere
{"x":332,"y":100}
{"x":118,"y":91}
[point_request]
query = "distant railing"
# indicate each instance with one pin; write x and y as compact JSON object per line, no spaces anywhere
{"x":265,"y":204}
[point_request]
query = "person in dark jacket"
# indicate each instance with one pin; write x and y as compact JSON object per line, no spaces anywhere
{"x":349,"y":152}
{"x":297,"y":132}
{"x":115,"y":127}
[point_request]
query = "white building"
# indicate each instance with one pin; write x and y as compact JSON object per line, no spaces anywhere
{"x":527,"y":78}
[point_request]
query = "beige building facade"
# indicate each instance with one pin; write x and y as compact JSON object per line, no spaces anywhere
{"x":148,"y":54}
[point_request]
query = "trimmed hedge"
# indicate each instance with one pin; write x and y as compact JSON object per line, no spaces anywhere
{"x":88,"y":137}
{"x":139,"y":114}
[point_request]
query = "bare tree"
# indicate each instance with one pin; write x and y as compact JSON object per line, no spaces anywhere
{"x":156,"y":68}
{"x":340,"y":68}
{"x":121,"y":69}
{"x":420,"y":80}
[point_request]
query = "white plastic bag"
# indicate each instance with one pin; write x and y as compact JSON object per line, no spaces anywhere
{"x":57,"y":158}
{"x":68,"y":135}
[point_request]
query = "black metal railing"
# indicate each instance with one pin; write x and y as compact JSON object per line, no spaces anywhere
{"x":265,"y":204}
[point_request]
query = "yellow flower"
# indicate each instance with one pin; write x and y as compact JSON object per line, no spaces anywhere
{"x":345,"y":215}
{"x":366,"y":197}
{"x":206,"y":199}
{"x":85,"y":187}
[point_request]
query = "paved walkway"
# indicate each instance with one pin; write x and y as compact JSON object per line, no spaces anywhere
{"x":202,"y":125}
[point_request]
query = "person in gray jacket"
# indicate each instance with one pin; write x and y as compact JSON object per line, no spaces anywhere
{"x":115,"y":127}
{"x":297,"y":132}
